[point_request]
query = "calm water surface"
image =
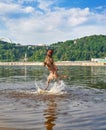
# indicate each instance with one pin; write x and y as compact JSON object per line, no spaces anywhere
{"x":81,"y":106}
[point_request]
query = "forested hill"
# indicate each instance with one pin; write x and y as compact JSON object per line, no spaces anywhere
{"x":71,"y":50}
{"x":81,"y":49}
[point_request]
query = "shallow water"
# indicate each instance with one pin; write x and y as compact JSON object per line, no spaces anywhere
{"x":76,"y":103}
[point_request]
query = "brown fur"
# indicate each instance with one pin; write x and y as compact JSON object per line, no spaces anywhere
{"x":49,"y":63}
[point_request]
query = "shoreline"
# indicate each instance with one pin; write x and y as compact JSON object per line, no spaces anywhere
{"x":58,"y":63}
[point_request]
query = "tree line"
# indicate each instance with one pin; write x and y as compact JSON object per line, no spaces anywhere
{"x":71,"y":50}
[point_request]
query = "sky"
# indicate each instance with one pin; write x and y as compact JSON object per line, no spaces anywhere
{"x":31,"y":22}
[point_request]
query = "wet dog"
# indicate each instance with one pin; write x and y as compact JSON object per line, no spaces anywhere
{"x":49,"y":63}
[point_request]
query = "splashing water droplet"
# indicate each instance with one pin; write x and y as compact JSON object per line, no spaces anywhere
{"x":54,"y":88}
{"x":59,"y":88}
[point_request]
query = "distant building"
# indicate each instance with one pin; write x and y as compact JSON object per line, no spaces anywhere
{"x":99,"y":60}
{"x":40,"y":44}
{"x":25,"y":58}
{"x":75,"y":42}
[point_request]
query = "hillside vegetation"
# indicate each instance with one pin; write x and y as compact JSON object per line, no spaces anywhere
{"x":71,"y":50}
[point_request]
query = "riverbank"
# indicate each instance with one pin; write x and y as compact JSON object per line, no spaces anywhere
{"x":59,"y":63}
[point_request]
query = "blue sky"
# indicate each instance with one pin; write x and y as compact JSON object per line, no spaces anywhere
{"x":81,"y":3}
{"x":50,"y":21}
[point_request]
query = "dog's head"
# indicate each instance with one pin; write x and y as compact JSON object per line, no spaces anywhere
{"x":50,"y":52}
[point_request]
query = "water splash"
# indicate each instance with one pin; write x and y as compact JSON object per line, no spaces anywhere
{"x":54,"y":88}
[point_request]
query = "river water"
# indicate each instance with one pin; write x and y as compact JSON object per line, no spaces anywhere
{"x":75,"y":103}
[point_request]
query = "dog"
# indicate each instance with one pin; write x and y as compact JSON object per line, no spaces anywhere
{"x":51,"y":66}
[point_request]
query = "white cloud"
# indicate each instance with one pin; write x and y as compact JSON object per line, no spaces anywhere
{"x":77,"y":16}
{"x":8,"y":8}
{"x":47,"y":26}
{"x":29,"y":9}
{"x":45,"y":5}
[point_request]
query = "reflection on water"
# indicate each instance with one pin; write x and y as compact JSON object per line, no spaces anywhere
{"x":50,"y":115}
{"x":82,"y":107}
